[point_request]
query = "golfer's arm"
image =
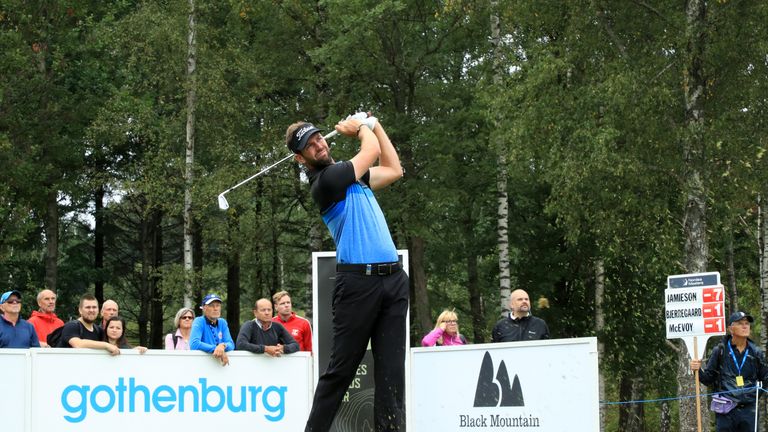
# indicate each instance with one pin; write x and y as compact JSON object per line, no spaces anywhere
{"x":369,"y":152}
{"x":389,"y":169}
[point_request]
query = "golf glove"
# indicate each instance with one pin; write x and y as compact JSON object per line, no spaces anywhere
{"x":363,"y":117}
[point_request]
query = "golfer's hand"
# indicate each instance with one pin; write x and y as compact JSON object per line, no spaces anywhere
{"x":349,"y":127}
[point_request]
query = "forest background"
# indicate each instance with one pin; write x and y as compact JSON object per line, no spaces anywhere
{"x":580,"y":150}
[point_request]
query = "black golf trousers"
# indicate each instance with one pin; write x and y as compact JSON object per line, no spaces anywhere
{"x":366,"y":308}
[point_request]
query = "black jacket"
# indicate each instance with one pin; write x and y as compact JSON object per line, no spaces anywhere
{"x":523,"y":329}
{"x":721,"y":371}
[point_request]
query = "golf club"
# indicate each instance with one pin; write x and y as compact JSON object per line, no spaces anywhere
{"x":223,"y":204}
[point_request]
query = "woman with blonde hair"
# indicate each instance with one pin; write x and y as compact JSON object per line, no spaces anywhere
{"x":446,"y":331}
{"x":179,"y":339}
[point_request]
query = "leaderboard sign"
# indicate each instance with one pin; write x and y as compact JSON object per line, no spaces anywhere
{"x":694,"y":305}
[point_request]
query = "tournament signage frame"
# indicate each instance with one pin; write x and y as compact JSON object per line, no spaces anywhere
{"x":546,"y":385}
{"x":167,"y":390}
{"x":356,"y":411}
{"x":694,"y":309}
{"x":15,"y":397}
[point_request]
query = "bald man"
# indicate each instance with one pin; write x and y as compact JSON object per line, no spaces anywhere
{"x":108,"y":309}
{"x":520,"y":325}
{"x":44,"y":319}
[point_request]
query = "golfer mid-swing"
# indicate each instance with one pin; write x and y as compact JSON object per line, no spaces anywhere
{"x":370,"y":298}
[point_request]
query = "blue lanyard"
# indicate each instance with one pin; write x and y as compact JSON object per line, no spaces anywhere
{"x":743,"y":359}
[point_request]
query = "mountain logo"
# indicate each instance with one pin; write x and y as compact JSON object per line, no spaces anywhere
{"x":497,"y":392}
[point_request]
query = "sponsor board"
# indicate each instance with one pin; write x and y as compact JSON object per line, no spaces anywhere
{"x":75,"y":390}
{"x":356,"y":411}
{"x":14,"y":398}
{"x":547,"y":385}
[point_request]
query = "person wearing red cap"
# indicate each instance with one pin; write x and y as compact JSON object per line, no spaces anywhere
{"x":370,"y":299}
{"x":15,"y":332}
{"x":733,"y":369}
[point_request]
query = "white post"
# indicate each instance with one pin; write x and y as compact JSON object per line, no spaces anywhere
{"x":758,"y":386}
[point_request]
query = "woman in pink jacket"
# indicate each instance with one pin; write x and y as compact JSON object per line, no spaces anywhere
{"x":446,"y":331}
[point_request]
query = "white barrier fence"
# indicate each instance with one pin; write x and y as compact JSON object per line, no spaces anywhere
{"x":76,"y":390}
{"x":546,"y":386}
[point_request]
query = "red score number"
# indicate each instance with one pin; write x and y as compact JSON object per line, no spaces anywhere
{"x":712,"y":295}
{"x":714,"y":325}
{"x":712,"y":310}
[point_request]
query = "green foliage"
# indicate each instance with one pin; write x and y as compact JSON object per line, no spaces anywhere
{"x":589,"y":107}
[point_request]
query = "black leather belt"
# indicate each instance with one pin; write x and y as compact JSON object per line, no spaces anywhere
{"x":379,"y":269}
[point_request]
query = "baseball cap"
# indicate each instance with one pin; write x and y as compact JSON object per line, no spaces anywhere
{"x":210,"y":298}
{"x":737,"y":316}
{"x":300,"y":137}
{"x":6,"y":295}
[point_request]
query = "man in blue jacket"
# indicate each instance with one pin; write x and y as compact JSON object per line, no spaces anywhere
{"x":15,"y":332}
{"x":210,"y":332}
{"x":733,"y":369}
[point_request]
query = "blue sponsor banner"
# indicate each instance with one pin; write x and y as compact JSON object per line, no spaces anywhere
{"x":168,"y":390}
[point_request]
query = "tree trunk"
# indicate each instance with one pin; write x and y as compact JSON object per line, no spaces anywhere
{"x":422,"y":318}
{"x":631,"y":416}
{"x":156,"y":330}
{"x":665,"y":422}
{"x":197,"y":258}
{"x":497,"y":143}
{"x":475,"y":298}
{"x":274,"y":285}
{"x":190,"y":156}
{"x":52,"y":240}
{"x":233,"y":274}
{"x":696,"y":249}
{"x":762,"y":249}
{"x":599,"y":326}
{"x":98,"y":243}
{"x":145,"y":240}
{"x":733,"y":293}
{"x":315,"y":245}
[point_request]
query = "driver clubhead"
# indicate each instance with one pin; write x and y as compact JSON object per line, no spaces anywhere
{"x":223,"y":204}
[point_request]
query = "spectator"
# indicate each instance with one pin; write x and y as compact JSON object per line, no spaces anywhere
{"x":179,"y":339}
{"x":297,"y":326}
{"x":114,"y":333}
{"x":446,"y":331}
{"x":15,"y":332}
{"x":733,"y":369}
{"x":45,"y":320}
{"x":108,"y":310}
{"x":520,"y":325}
{"x":263,"y":336}
{"x":84,"y":332}
{"x":210,"y":332}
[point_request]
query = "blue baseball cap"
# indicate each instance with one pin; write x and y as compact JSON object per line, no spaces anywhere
{"x":6,"y":295}
{"x":210,"y":298}
{"x":738,"y":316}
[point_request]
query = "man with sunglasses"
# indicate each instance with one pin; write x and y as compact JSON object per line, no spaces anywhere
{"x":15,"y":332}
